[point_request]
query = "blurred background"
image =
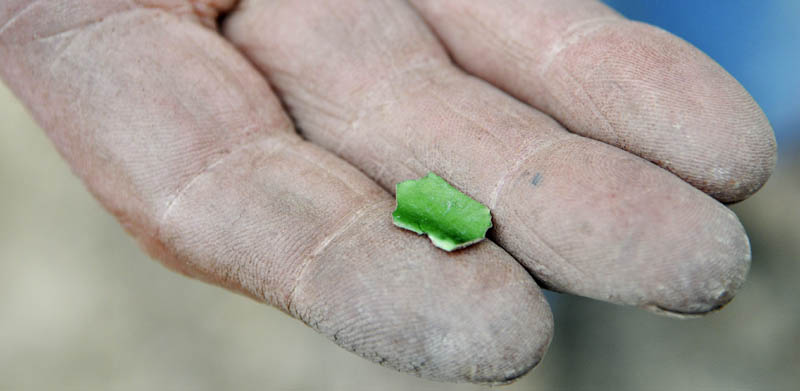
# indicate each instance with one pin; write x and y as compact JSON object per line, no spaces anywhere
{"x":82,"y":307}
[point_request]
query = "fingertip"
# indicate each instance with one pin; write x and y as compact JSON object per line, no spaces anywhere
{"x":647,"y":91}
{"x":710,"y":280}
{"x":713,"y":133}
{"x":635,"y":235}
{"x":474,"y":315}
{"x":745,"y":172}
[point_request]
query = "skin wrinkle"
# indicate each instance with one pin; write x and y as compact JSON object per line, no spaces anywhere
{"x":61,"y":53}
{"x":132,"y":6}
{"x":615,"y":136}
{"x":514,"y":49}
{"x":606,"y":123}
{"x":524,"y":222}
{"x":573,"y":35}
{"x":245,"y":137}
{"x":384,"y":93}
{"x":345,"y":223}
{"x":528,"y":152}
{"x":303,"y":125}
{"x":277,"y":141}
{"x":371,"y":92}
{"x":319,"y":102}
{"x":425,"y":69}
{"x":393,"y":55}
{"x":297,"y":244}
{"x":80,"y":27}
{"x":340,"y":121}
{"x":331,"y":173}
{"x":461,"y":114}
{"x":274,"y":144}
{"x":523,"y":154}
{"x":10,"y":21}
{"x":376,"y":44}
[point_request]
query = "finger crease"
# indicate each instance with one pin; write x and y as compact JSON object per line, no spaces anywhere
{"x":10,"y":22}
{"x":528,"y":152}
{"x":330,"y":172}
{"x":573,"y":35}
{"x":605,"y":123}
{"x":80,"y":26}
{"x":344,"y":224}
{"x":554,"y":254}
{"x":512,"y":48}
{"x":274,"y":143}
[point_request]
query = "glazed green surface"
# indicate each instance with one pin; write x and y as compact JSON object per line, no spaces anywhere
{"x":450,"y":218}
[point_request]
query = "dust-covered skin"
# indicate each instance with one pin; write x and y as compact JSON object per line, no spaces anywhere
{"x":178,"y":134}
{"x":628,"y":84}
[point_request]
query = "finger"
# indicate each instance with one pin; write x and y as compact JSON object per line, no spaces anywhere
{"x":624,"y":83}
{"x":367,"y":80}
{"x":180,"y":138}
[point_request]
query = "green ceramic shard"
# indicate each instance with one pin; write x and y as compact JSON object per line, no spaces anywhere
{"x":451,"y":219}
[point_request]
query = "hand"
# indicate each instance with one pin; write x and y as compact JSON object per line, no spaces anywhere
{"x":179,"y":135}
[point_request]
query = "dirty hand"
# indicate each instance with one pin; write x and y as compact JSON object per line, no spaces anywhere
{"x":602,"y":147}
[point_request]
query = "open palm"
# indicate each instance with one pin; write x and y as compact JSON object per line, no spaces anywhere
{"x":550,"y":112}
